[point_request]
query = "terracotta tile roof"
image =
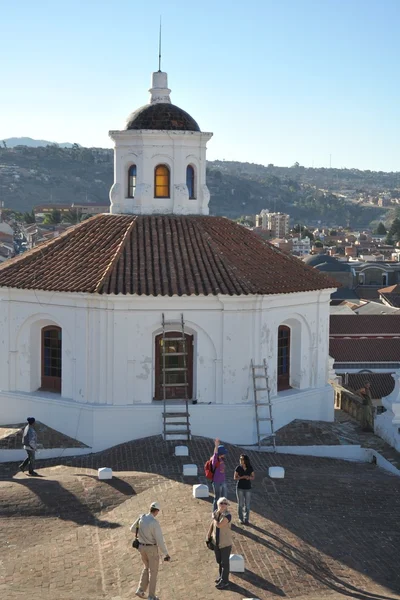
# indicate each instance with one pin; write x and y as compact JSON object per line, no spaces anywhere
{"x":365,"y":350}
{"x":373,"y":325}
{"x":392,"y":289}
{"x":382,"y":384}
{"x":160,"y":255}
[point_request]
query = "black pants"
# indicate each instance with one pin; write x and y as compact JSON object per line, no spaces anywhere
{"x":30,"y":460}
{"x":222,"y":557}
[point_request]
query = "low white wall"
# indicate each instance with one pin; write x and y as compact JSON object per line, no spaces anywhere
{"x":101,"y":427}
{"x":347,"y":452}
{"x":19,"y":455}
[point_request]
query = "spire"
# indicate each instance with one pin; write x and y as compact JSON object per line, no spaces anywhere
{"x":159,"y":91}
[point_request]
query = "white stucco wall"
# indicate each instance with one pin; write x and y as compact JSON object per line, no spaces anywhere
{"x":146,"y":149}
{"x":108,"y":347}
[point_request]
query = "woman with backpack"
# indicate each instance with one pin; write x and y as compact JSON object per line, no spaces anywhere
{"x":219,"y":538}
{"x":244,"y":475}
{"x":218,"y":468}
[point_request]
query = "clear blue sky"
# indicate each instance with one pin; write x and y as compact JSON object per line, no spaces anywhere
{"x":276,"y":81}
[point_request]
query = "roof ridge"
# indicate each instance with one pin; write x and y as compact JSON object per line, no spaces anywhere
{"x":115,"y":257}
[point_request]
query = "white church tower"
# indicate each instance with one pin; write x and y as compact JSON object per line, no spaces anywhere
{"x":160,"y":159}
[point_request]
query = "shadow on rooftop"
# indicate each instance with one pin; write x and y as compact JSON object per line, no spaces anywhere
{"x":59,"y":502}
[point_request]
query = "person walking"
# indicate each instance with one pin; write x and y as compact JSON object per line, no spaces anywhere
{"x":150,"y":538}
{"x":29,"y":440}
{"x":221,"y":535}
{"x":244,"y":475}
{"x":218,"y":465}
{"x":367,"y":413}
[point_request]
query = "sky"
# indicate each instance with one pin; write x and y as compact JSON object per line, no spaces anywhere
{"x":276,"y":81}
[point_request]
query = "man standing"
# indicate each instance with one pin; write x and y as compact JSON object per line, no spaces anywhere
{"x":150,"y":538}
{"x":29,"y":440}
{"x":367,"y":414}
{"x":218,"y":465}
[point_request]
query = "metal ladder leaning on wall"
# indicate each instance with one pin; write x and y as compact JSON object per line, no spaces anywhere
{"x":171,"y":427}
{"x":259,"y":405}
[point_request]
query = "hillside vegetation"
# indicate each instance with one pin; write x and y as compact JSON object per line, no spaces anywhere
{"x":37,"y":175}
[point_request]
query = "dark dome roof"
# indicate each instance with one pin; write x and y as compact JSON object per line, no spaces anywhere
{"x":317,"y":259}
{"x":162,"y":116}
{"x":330,"y":267}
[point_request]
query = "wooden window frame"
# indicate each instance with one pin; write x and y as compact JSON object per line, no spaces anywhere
{"x":132,"y":188}
{"x":283,"y":379}
{"x":192,"y":196}
{"x":49,"y":383}
{"x":156,"y":195}
{"x":158,"y":390}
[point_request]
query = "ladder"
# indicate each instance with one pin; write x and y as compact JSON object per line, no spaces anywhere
{"x":259,"y":404}
{"x":171,"y":426}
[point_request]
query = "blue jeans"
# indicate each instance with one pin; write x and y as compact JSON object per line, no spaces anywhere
{"x":243,"y":498}
{"x":220,"y":491}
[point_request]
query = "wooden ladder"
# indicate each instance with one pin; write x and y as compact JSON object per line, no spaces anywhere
{"x":259,"y":404}
{"x":173,"y":428}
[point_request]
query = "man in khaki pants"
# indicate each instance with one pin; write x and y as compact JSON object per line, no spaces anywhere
{"x":150,"y":539}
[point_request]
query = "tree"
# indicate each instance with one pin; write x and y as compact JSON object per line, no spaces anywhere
{"x":333,"y":232}
{"x":381,"y":229}
{"x":318,"y":244}
{"x":394,"y":231}
{"x":73,"y":216}
{"x":29,"y":217}
{"x":52,"y":218}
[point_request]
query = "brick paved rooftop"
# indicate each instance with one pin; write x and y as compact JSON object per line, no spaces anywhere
{"x":330,"y":529}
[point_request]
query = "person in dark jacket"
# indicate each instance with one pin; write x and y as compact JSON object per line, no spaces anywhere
{"x":29,"y":440}
{"x":244,"y":475}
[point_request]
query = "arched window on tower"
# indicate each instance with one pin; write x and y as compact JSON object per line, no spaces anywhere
{"x":132,"y":181}
{"x":161,"y":181}
{"x":283,"y":358}
{"x":190,"y":181}
{"x":51,"y":359}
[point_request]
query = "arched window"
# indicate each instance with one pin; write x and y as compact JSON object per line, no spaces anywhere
{"x":283,"y":358}
{"x":161,"y":181}
{"x":51,"y":359}
{"x":178,"y":358}
{"x":190,"y":181}
{"x":132,"y":181}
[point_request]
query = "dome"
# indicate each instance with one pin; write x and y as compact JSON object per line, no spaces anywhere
{"x":317,"y":259}
{"x":329,"y":267}
{"x":162,"y":116}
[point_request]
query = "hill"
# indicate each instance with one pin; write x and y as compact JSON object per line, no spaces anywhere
{"x":37,"y":175}
{"x":27,"y":141}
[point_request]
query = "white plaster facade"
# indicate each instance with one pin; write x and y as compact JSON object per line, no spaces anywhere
{"x":387,"y":424}
{"x":108,"y":371}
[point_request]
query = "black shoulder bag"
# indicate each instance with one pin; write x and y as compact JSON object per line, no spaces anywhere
{"x":135,"y":543}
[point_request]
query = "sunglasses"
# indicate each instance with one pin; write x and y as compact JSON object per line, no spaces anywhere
{"x":221,"y":503}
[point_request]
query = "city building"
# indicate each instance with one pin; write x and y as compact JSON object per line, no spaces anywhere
{"x":276,"y":223}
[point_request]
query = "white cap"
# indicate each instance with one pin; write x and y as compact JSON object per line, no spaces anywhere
{"x":155,"y":505}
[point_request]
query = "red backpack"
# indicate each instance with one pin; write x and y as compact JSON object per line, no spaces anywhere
{"x":209,"y":470}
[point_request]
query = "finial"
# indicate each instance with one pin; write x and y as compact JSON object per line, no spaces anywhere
{"x":159,"y":48}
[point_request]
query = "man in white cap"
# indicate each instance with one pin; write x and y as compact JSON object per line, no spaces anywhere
{"x":150,"y":539}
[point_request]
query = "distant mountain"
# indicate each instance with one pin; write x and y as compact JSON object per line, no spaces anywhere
{"x":27,"y":141}
{"x":43,"y":174}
